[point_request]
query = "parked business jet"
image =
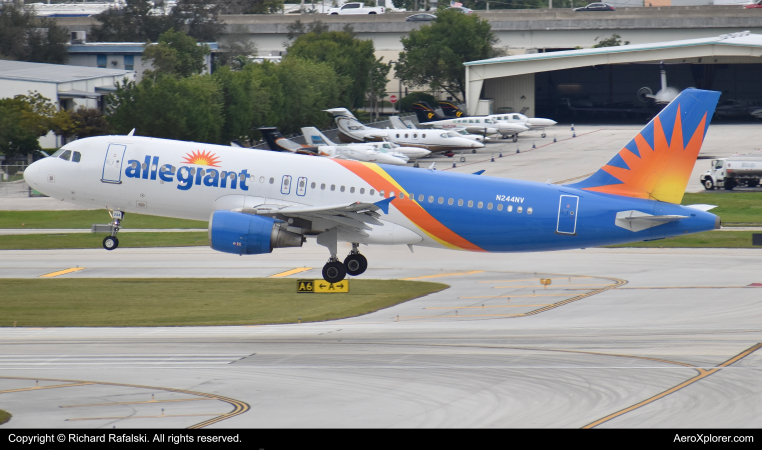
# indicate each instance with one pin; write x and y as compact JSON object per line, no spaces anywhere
{"x":278,"y":143}
{"x":256,"y":201}
{"x":314,"y":136}
{"x":352,"y":130}
{"x":484,"y":125}
{"x":532,"y":123}
{"x":398,"y":124}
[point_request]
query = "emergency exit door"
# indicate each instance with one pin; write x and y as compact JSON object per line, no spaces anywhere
{"x":112,"y":165}
{"x":567,"y":214}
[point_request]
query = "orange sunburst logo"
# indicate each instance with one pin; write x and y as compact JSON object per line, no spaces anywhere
{"x":202,"y":158}
{"x":661,"y":171}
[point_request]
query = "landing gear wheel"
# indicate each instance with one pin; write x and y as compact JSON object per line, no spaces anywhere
{"x":462,"y":159}
{"x":515,"y":138}
{"x":708,"y":184}
{"x":355,"y":264}
{"x":543,"y":135}
{"x":110,"y":242}
{"x":334,"y":271}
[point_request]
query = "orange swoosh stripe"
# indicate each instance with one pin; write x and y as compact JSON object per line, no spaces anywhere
{"x":382,"y":181}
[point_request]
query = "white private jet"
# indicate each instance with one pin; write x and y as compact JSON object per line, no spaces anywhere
{"x":352,"y":130}
{"x":483,"y":125}
{"x":532,"y":123}
{"x":277,"y":142}
{"x":313,"y":136}
{"x":398,"y":124}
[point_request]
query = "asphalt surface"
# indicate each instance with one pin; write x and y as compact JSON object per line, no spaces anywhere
{"x":620,"y":338}
{"x":615,"y":328}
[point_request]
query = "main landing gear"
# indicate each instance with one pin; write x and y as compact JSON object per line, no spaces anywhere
{"x":334,"y":270}
{"x":111,"y":242}
{"x":354,"y":264}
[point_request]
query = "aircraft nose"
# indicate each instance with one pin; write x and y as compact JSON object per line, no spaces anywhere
{"x":33,"y":175}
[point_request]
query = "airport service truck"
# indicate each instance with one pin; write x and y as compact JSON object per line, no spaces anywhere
{"x":734,"y":171}
{"x":356,"y":8}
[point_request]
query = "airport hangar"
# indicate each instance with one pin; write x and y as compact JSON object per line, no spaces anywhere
{"x":606,"y":81}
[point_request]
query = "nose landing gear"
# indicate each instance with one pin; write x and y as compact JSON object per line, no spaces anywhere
{"x":111,"y":242}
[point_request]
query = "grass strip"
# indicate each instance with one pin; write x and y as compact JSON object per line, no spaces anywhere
{"x":95,"y":240}
{"x":84,"y":219}
{"x":4,"y":416}
{"x":120,"y":302}
{"x":742,"y":208}
{"x":709,"y":239}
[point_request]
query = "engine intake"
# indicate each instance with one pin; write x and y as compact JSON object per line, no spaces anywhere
{"x":245,"y":234}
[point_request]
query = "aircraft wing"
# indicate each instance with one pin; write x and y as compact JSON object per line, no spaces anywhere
{"x":353,"y":217}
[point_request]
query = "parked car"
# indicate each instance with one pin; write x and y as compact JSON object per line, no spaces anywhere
{"x":757,"y":4}
{"x":356,"y":8}
{"x":422,"y":17}
{"x":596,"y":7}
{"x":462,"y":9}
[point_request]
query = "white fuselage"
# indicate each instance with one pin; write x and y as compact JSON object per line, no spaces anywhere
{"x":164,"y":183}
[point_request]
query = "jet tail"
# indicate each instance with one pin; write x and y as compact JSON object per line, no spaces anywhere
{"x":451,"y":111}
{"x":313,"y":136}
{"x":426,"y":113}
{"x":397,"y":123}
{"x":278,"y":143}
{"x":657,"y":163}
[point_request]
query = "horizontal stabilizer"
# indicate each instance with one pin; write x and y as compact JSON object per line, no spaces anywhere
{"x":639,"y":221}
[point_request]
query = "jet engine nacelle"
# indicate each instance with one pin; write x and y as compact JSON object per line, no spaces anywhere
{"x":245,"y":234}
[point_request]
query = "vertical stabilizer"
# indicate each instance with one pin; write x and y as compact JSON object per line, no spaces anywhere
{"x":397,"y":123}
{"x":426,"y":113}
{"x":450,"y":110}
{"x":313,"y":136}
{"x":657,"y":163}
{"x":277,"y":142}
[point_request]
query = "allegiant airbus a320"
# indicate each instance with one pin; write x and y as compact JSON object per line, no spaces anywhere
{"x":256,"y":201}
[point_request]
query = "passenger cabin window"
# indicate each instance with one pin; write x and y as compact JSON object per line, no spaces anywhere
{"x":499,"y":206}
{"x":272,"y":180}
{"x":519,"y":209}
{"x":362,"y":190}
{"x":529,"y":210}
{"x":509,"y":208}
{"x":261,"y":179}
{"x":420,"y":197}
{"x":480,"y":205}
{"x":470,"y":203}
{"x":431,"y":199}
{"x":460,"y":202}
{"x":372,"y":192}
{"x":342,"y":189}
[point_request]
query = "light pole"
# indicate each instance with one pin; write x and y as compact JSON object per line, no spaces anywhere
{"x":399,"y":97}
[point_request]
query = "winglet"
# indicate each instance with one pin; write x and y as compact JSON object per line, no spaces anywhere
{"x":384,"y":204}
{"x":479,"y":172}
{"x":131,"y":133}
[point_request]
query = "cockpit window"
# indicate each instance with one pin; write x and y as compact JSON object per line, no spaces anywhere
{"x":76,"y":157}
{"x":58,"y":153}
{"x":66,"y":155}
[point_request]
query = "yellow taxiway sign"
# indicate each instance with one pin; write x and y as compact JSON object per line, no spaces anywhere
{"x":321,"y":287}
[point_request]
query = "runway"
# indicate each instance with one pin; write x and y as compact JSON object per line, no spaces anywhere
{"x":620,"y":338}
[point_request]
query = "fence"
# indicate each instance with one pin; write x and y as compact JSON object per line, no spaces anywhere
{"x":12,"y":182}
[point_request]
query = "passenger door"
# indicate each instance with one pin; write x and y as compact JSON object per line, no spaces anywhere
{"x":112,"y":165}
{"x":567,"y":215}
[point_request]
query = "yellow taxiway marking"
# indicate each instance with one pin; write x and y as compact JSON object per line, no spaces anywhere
{"x":445,"y":275}
{"x":617,"y":283}
{"x":531,"y":279}
{"x":36,"y":388}
{"x":142,"y":417}
{"x":517,"y":296}
{"x":551,"y":286}
{"x":137,"y":403}
{"x":290,"y":272}
{"x":239,"y":407}
{"x":484,"y":307}
{"x":460,"y":316}
{"x":61,"y":272}
{"x":703,"y":373}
